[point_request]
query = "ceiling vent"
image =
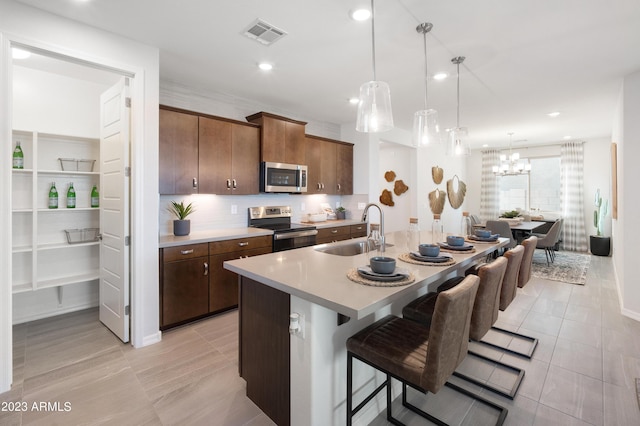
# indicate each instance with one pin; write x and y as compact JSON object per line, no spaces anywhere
{"x":264,"y":32}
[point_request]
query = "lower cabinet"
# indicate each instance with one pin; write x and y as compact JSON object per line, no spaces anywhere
{"x":193,"y":282}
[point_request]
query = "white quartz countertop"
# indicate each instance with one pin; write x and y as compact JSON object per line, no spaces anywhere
{"x":321,"y":277}
{"x":212,"y":235}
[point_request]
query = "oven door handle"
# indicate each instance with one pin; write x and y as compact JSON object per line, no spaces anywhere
{"x":296,"y":234}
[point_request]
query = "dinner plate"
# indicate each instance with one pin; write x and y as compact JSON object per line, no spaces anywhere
{"x":464,"y":247}
{"x":491,"y":239}
{"x":397,"y":275}
{"x":432,"y":259}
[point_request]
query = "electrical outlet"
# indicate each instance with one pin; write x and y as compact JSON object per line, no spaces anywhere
{"x":303,"y":207}
{"x":234,"y":209}
{"x":337,"y":204}
{"x":361,"y":206}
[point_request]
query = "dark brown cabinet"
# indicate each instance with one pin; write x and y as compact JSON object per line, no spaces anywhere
{"x":229,"y":158}
{"x":178,"y":152}
{"x":193,"y":281}
{"x":330,"y":166}
{"x":207,"y":154}
{"x":184,"y":284}
{"x":223,"y":285}
{"x":282,"y":139}
{"x":340,"y":233}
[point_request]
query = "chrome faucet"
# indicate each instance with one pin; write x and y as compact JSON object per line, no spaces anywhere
{"x":364,"y":219}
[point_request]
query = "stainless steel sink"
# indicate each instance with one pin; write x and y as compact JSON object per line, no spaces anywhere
{"x":348,"y":249}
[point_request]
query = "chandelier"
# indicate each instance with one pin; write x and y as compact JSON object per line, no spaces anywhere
{"x":511,"y":165}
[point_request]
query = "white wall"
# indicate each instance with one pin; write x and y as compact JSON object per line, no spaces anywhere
{"x":626,"y":233}
{"x":32,"y":27}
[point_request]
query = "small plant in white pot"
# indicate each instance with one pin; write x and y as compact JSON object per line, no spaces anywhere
{"x":182,"y":225}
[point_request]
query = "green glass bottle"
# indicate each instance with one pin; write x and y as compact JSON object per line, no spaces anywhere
{"x":71,"y":197}
{"x":18,"y":157}
{"x":53,"y":196}
{"x":95,"y":197}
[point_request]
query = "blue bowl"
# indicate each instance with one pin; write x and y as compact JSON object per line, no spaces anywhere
{"x":483,"y":233}
{"x":382,"y":264}
{"x":431,"y":250}
{"x":454,"y":240}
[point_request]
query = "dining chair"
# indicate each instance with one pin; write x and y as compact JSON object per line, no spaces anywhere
{"x":501,"y":227}
{"x":419,"y":356}
{"x":549,"y":241}
{"x":529,"y":245}
{"x":485,"y":314}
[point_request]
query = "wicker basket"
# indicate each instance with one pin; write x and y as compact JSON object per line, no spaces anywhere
{"x":85,"y":235}
{"x":76,"y":165}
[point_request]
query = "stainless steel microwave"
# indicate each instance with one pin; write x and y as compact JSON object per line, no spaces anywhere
{"x":282,"y":177}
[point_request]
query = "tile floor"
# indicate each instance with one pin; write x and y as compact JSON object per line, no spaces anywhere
{"x":582,"y":373}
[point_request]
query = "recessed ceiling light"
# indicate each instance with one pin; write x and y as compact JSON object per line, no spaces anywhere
{"x":554,"y":114}
{"x":440,"y":76}
{"x":486,"y":145}
{"x":354,"y":101}
{"x":360,"y":14}
{"x":265,"y":66}
{"x":19,"y":53}
{"x":566,"y":137}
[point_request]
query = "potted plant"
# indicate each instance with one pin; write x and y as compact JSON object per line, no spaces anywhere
{"x":600,"y":245}
{"x":181,"y":226}
{"x":341,"y":213}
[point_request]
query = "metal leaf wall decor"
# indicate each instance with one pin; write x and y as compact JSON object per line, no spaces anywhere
{"x":456,"y":195}
{"x":437,"y":174}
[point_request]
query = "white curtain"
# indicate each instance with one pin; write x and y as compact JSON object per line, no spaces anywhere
{"x":489,"y":195}
{"x":574,"y":236}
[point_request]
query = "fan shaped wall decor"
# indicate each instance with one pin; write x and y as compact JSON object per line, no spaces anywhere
{"x":437,"y":174}
{"x":456,"y":190}
{"x":436,"y":201}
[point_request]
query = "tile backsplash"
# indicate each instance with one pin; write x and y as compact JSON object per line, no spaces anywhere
{"x":222,"y":211}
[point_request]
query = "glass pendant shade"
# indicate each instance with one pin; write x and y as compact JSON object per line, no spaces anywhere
{"x":374,"y":108}
{"x":456,"y":145}
{"x":425,"y":127}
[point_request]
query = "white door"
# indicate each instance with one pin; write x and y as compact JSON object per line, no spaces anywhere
{"x":114,"y":209}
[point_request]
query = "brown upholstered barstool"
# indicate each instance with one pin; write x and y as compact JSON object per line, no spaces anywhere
{"x":485,"y":314}
{"x":419,"y":356}
{"x":529,"y":245}
{"x":507,"y":295}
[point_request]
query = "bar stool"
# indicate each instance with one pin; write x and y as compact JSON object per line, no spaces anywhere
{"x":529,"y":245}
{"x":485,"y":314}
{"x":418,"y":356}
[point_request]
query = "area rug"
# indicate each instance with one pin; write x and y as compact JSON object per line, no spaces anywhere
{"x":568,"y":267}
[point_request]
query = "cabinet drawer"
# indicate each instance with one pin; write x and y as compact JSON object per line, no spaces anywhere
{"x":337,"y":231}
{"x":358,"y":230}
{"x":240,"y":244}
{"x":171,"y":254}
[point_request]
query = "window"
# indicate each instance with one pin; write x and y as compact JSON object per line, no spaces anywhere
{"x":537,"y":191}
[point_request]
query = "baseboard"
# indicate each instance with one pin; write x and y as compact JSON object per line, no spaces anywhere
{"x":151,"y":339}
{"x":626,"y":312}
{"x":49,"y":314}
{"x":631,"y":314}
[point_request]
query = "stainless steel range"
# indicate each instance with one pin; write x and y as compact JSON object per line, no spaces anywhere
{"x":286,"y":235}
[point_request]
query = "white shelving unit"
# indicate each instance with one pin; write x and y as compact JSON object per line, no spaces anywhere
{"x":41,"y":255}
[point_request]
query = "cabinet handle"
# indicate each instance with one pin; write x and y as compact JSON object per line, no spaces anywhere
{"x":195,"y":183}
{"x":339,"y":187}
{"x":186,"y":251}
{"x":243,"y":244}
{"x":359,"y":228}
{"x":334,"y":231}
{"x":234,"y":184}
{"x":323,"y":185}
{"x":228,"y":183}
{"x":206,"y":268}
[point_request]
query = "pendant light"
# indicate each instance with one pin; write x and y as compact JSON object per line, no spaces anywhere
{"x":374,"y":107}
{"x":456,"y":146}
{"x":425,"y":122}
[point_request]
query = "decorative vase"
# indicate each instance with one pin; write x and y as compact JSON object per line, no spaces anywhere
{"x":600,"y":246}
{"x":181,"y":227}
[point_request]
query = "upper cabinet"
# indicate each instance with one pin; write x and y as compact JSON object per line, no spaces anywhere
{"x":330,"y":166}
{"x":178,"y":152}
{"x":207,"y":155}
{"x":283,"y":139}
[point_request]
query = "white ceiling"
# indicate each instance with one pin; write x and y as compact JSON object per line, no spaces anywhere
{"x":525,"y":58}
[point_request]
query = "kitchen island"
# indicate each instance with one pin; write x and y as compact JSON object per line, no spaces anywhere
{"x":300,"y":379}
